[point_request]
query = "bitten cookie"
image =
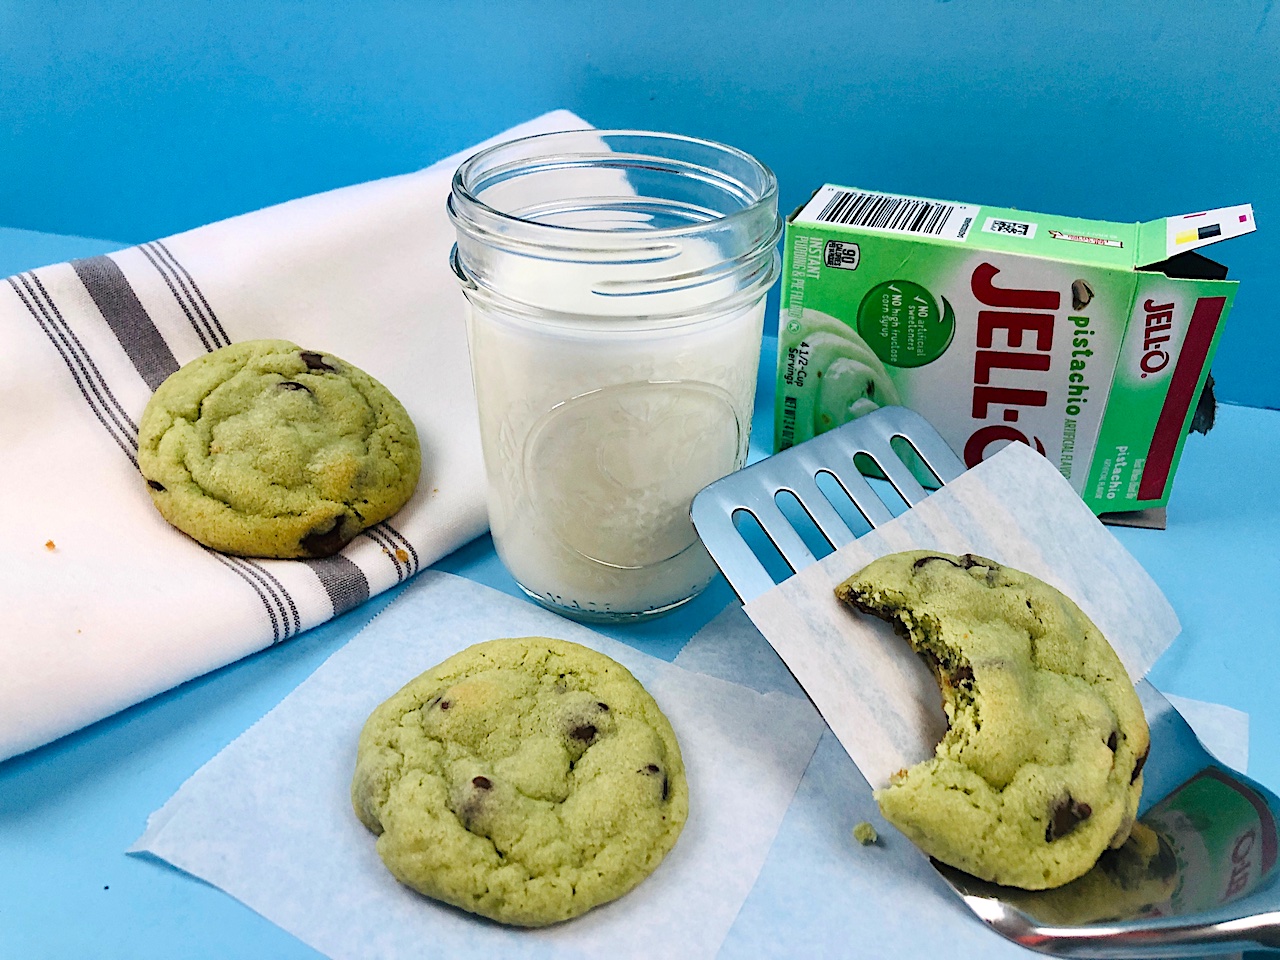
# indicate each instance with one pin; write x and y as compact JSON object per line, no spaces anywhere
{"x":1040,"y":770}
{"x":264,"y":449}
{"x":527,"y":780}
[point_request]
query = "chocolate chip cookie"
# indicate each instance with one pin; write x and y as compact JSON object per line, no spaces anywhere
{"x":1040,"y":770}
{"x":264,"y":449}
{"x":527,"y":780}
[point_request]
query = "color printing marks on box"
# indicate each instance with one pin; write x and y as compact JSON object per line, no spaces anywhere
{"x":1088,"y":340}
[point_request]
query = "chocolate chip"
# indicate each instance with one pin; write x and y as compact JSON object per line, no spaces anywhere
{"x":155,"y":485}
{"x":293,"y":385}
{"x":602,"y":706}
{"x":586,"y":732}
{"x":481,"y":783}
{"x":923,"y":560}
{"x":653,"y":770}
{"x":1065,"y":816}
{"x":325,"y":543}
{"x":1142,"y":762}
{"x":314,"y":361}
{"x":1112,"y":742}
{"x":962,"y":674}
{"x":445,"y":704}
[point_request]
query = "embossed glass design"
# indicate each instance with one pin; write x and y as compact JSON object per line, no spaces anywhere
{"x":616,"y":283}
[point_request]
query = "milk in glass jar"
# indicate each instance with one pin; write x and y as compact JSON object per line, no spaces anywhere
{"x":616,"y":283}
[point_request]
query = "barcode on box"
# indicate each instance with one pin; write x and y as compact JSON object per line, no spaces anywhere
{"x":1009,"y":228}
{"x":889,"y":212}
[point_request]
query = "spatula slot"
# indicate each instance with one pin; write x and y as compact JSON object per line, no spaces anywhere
{"x":881,"y":481}
{"x":915,"y":462}
{"x":796,"y":506}
{"x":842,"y":502}
{"x":761,"y":545}
{"x":795,"y":512}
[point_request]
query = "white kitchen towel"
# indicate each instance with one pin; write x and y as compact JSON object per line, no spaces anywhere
{"x":102,"y":604}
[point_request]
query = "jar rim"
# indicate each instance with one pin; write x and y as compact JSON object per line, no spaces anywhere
{"x":462,"y":189}
{"x":765,"y":273}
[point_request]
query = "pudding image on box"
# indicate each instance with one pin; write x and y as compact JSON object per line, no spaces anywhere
{"x":1090,"y":341}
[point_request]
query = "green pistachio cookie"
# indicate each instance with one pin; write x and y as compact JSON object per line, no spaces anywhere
{"x":1041,"y":768}
{"x":264,"y":449}
{"x":527,"y":780}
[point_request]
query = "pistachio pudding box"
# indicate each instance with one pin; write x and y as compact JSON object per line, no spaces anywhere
{"x":1088,"y":340}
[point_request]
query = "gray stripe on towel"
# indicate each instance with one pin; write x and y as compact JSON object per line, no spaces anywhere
{"x":91,"y":389}
{"x":127,"y":318}
{"x":409,"y":548}
{"x":345,"y":582}
{"x":388,"y":550}
{"x":242,"y":569}
{"x":154,"y":361}
{"x":210,"y":318}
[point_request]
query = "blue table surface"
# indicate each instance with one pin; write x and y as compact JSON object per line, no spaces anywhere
{"x":69,"y":810}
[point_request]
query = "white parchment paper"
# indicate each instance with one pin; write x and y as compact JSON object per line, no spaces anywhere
{"x":269,"y":819}
{"x":875,"y":693}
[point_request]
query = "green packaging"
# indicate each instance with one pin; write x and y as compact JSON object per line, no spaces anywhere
{"x":1088,"y":340}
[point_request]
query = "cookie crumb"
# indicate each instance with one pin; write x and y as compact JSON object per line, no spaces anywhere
{"x":402,"y":555}
{"x":865,"y":834}
{"x":50,"y":545}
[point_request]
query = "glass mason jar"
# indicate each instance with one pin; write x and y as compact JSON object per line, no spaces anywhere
{"x":616,"y":283}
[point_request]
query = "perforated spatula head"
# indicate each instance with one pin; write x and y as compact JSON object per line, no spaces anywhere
{"x":798,"y":471}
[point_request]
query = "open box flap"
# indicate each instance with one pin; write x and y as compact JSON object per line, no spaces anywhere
{"x":1161,"y":239}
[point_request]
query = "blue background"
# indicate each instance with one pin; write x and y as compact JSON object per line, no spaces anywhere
{"x":131,"y":119}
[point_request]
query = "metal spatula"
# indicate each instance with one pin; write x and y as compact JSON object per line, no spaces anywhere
{"x":1205,"y":882}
